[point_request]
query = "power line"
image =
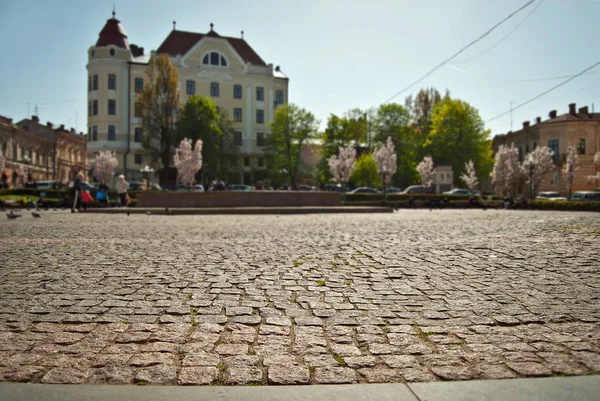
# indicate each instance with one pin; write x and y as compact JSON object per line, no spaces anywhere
{"x":545,"y":79}
{"x":543,"y":93}
{"x":503,"y":38}
{"x":461,"y":50}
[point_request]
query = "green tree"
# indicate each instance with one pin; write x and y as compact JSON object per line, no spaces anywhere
{"x":365,"y":174}
{"x":291,"y":128}
{"x":458,"y":135}
{"x":394,"y":120}
{"x":159,"y":103}
{"x":201,"y":120}
{"x":228,"y":151}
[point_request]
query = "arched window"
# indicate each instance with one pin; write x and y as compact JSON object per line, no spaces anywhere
{"x":214,"y":58}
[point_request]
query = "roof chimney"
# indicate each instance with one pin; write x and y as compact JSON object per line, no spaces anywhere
{"x":572,"y":108}
{"x":583,"y":110}
{"x":72,"y":130}
{"x":538,"y":120}
{"x":552,"y":114}
{"x":49,"y":124}
{"x":62,"y":127}
{"x":525,"y":124}
{"x":35,"y":118}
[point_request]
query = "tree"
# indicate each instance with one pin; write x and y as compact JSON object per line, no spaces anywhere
{"x":541,"y":161}
{"x":291,"y":128}
{"x":393,"y":120}
{"x":187,"y":161}
{"x":385,"y":158}
{"x":469,"y":177}
{"x":506,"y":169}
{"x":228,"y":151}
{"x":421,"y":108}
{"x":458,"y":135}
{"x":365,"y":174}
{"x":595,"y":179}
{"x":570,"y":168}
{"x":104,"y":166}
{"x":342,"y":166}
{"x":201,"y":120}
{"x":426,"y":171}
{"x":159,"y":103}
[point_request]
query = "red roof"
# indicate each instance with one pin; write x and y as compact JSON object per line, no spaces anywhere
{"x":180,"y":42}
{"x":580,"y":117}
{"x":113,"y":34}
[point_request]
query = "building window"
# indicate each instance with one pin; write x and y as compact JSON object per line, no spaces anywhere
{"x":214,"y":58}
{"x":95,"y":133}
{"x":112,"y":107}
{"x":138,"y":158}
{"x":237,"y":138}
{"x":237,"y":114}
{"x":4,"y":149}
{"x":112,"y":81}
{"x":581,"y":146}
{"x":555,"y":179}
{"x":214,"y":89}
{"x":526,"y":149}
{"x":520,"y":155}
{"x":95,"y":82}
{"x":89,"y":134}
{"x":553,"y":145}
{"x":112,"y":52}
{"x":112,"y":134}
{"x":261,"y":162}
{"x":139,"y":84}
{"x":190,"y":87}
{"x":14,"y":151}
{"x":137,"y":136}
{"x":95,"y":108}
{"x":278,"y":98}
{"x":137,"y":109}
{"x":90,"y":109}
{"x":260,"y":93}
{"x":237,"y":91}
{"x":260,"y":116}
{"x":89,"y":83}
{"x":260,"y":139}
{"x":246,"y":162}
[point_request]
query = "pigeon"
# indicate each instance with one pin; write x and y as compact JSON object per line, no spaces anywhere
{"x":12,"y":216}
{"x":128,"y":213}
{"x":36,"y":215}
{"x":148,"y":212}
{"x":167,"y":210}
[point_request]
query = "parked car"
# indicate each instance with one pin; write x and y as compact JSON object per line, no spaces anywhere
{"x":238,"y":187}
{"x":554,"y":196}
{"x":46,"y":185}
{"x":197,"y":188}
{"x":461,"y":191}
{"x":415,"y":189}
{"x":334,"y":188}
{"x":393,"y":190}
{"x":364,"y":190}
{"x":306,"y":188}
{"x":137,"y":186}
{"x":586,"y":196}
{"x":176,"y":188}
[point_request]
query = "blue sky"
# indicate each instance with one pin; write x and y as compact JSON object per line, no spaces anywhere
{"x":339,"y":54}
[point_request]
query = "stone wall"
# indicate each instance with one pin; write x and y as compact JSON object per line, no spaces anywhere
{"x":237,"y":199}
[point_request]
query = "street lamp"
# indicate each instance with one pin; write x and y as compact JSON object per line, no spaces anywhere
{"x":384,"y":171}
{"x":531,"y":169}
{"x":147,"y":172}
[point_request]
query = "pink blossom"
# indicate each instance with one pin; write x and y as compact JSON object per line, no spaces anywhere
{"x":595,"y":179}
{"x":385,"y":158}
{"x":469,"y":177}
{"x":104,"y":165}
{"x":570,"y":168}
{"x":342,"y":166}
{"x":541,"y":160}
{"x":506,"y":169}
{"x":426,"y":171}
{"x":187,"y":161}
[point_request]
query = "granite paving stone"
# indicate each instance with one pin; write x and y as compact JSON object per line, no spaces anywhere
{"x":412,"y":296}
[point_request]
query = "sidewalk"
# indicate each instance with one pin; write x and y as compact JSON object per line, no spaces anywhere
{"x":245,"y":210}
{"x":576,"y":388}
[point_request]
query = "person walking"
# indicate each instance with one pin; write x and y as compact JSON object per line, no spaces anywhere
{"x":122,"y":186}
{"x":102,"y":194}
{"x":78,"y":185}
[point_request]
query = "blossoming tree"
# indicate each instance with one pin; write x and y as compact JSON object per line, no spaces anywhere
{"x":469,"y":177}
{"x":104,"y":165}
{"x":536,"y":165}
{"x":506,"y":169}
{"x":595,"y":179}
{"x":188,"y":161}
{"x":426,"y":171}
{"x":570,"y":168}
{"x":385,"y":158}
{"x":342,"y":166}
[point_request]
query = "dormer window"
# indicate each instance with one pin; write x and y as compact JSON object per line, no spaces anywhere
{"x":214,"y":58}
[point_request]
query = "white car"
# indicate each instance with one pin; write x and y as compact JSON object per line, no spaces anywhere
{"x":553,"y":196}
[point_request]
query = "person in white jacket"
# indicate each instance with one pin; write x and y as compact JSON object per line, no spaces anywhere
{"x":122,"y":186}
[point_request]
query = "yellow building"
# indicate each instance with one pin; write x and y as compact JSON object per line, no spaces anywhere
{"x":224,"y":68}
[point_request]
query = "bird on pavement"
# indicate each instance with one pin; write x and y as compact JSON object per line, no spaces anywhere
{"x":128,"y":213}
{"x":36,"y":215}
{"x":167,"y":210}
{"x":12,"y":216}
{"x":148,"y":212}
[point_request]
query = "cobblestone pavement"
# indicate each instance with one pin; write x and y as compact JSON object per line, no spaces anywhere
{"x":409,"y":296}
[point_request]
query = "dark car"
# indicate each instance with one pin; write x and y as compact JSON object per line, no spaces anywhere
{"x":364,"y":190}
{"x":334,"y":188}
{"x":305,"y":188}
{"x":239,"y":187}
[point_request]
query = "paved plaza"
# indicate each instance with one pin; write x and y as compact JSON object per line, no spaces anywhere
{"x":413,"y":296}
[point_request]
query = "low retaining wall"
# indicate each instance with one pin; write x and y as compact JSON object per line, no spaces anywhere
{"x":237,"y":199}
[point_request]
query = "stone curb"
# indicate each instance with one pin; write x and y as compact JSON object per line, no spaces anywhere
{"x":246,"y":210}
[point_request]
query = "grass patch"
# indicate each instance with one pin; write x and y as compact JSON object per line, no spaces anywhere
{"x":334,"y":265}
{"x":190,"y":295}
{"x":311,"y":369}
{"x":321,"y":283}
{"x":252,"y":384}
{"x":339,"y":359}
{"x":348,"y":283}
{"x":251,"y":352}
{"x":297,"y":263}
